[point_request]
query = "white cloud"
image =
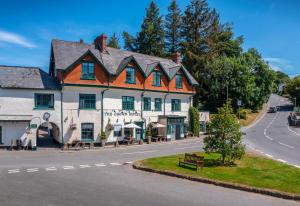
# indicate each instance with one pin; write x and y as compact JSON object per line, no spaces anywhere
{"x":279,"y":64}
{"x":12,"y":38}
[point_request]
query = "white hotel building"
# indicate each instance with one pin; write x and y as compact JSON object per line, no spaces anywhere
{"x":92,"y":87}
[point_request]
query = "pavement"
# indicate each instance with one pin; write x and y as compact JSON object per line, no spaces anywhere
{"x":273,"y":137}
{"x":106,"y":177}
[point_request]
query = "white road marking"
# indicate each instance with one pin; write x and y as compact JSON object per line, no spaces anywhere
{"x":128,"y":162}
{"x":115,"y":164}
{"x":32,"y":170}
{"x":188,"y":147}
{"x":140,"y":152}
{"x":13,"y":171}
{"x":289,"y":146}
{"x":100,"y":165}
{"x":280,"y":160}
{"x":51,"y":169}
{"x":297,"y":166}
{"x":68,"y":167}
{"x":84,"y":166}
{"x":296,"y":133}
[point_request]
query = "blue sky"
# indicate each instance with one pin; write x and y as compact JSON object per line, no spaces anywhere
{"x":27,"y":27}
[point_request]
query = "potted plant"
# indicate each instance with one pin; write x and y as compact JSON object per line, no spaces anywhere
{"x":148,"y":135}
{"x":103,"y":138}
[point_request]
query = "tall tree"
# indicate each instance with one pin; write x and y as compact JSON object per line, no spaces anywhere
{"x":224,"y":135}
{"x":150,"y":40}
{"x":114,"y":41}
{"x":129,"y":42}
{"x":173,"y":24}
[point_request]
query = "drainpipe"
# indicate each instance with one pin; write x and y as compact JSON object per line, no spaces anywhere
{"x":61,"y":109}
{"x":102,"y":102}
{"x":165,"y":103}
{"x":61,"y":118}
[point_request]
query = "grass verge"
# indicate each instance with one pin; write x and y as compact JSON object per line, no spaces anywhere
{"x":253,"y":116}
{"x":251,"y":170}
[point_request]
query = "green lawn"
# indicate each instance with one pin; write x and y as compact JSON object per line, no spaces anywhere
{"x":251,"y":170}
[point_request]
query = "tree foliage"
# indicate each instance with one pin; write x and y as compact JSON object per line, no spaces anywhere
{"x":224,"y":135}
{"x":293,"y":89}
{"x":150,"y":39}
{"x":173,"y":24}
{"x":114,"y":41}
{"x":194,"y":121}
{"x":210,"y":51}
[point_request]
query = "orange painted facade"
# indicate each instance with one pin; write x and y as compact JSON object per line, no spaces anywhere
{"x":186,"y":86}
{"x":164,"y":81}
{"x":73,"y":76}
{"x":120,"y":80}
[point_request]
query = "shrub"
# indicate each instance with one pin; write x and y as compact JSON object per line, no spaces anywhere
{"x":243,"y":113}
{"x":194,"y":121}
{"x":103,"y":135}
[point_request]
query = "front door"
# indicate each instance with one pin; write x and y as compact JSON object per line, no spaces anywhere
{"x":177,"y":131}
{"x":139,"y":133}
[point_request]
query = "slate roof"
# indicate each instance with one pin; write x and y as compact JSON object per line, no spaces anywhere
{"x":26,"y":78}
{"x":66,"y":53}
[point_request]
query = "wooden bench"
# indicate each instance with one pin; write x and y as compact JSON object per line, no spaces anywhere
{"x":192,"y":159}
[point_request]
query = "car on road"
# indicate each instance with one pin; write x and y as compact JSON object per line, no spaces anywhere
{"x":272,"y":110}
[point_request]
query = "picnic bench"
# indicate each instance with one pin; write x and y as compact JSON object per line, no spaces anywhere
{"x":192,"y":159}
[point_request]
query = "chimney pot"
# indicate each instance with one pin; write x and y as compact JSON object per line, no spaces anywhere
{"x":81,"y":41}
{"x":176,"y":57}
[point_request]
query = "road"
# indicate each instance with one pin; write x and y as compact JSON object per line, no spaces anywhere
{"x":105,"y":177}
{"x":272,"y":136}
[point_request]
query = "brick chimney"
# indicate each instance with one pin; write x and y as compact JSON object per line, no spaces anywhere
{"x":176,"y":57}
{"x":81,"y":41}
{"x":100,"y":42}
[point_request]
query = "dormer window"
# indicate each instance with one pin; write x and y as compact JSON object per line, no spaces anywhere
{"x":178,"y":81}
{"x":156,"y":79}
{"x":130,"y":75}
{"x":88,"y":70}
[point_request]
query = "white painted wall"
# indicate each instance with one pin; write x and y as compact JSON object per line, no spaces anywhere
{"x":72,"y":113}
{"x":21,"y":102}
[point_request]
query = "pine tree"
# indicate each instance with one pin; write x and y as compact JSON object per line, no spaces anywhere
{"x":150,"y":40}
{"x":114,"y":41}
{"x":129,"y":42}
{"x":173,"y":24}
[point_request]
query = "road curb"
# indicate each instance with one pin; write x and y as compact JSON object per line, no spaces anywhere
{"x":137,"y":165}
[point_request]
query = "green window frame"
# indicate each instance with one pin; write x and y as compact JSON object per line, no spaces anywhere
{"x":88,"y":70}
{"x":43,"y":101}
{"x":156,"y":80}
{"x":157,"y":104}
{"x":178,"y":81}
{"x":87,"y":101}
{"x":147,"y":103}
{"x":127,"y":103}
{"x":130,"y":75}
{"x":87,"y":131}
{"x":176,"y":105}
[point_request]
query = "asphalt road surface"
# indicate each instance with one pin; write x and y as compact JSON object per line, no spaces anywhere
{"x":105,"y":177}
{"x":271,"y":135}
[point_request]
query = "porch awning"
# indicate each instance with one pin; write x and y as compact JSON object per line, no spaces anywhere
{"x":13,"y":118}
{"x":132,"y":126}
